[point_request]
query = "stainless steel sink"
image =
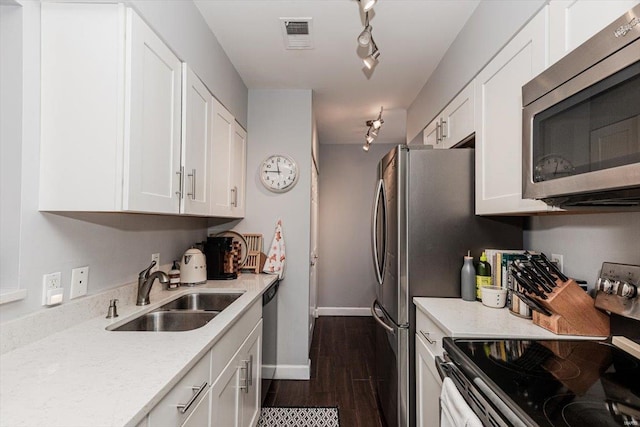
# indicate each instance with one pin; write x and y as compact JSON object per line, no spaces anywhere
{"x":202,"y":301}
{"x":168,"y":321}
{"x":188,"y":312}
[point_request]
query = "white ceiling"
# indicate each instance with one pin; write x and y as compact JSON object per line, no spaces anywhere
{"x":412,"y":36}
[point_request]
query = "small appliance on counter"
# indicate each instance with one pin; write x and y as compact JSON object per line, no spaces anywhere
{"x":193,"y":270}
{"x":220,"y":259}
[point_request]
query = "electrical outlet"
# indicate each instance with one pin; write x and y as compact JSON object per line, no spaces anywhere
{"x":559,"y":261}
{"x":52,"y":290}
{"x":156,"y":258}
{"x":79,"y":282}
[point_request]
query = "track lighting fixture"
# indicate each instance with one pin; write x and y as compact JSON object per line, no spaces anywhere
{"x":365,"y":38}
{"x":367,"y":5}
{"x":372,"y":132}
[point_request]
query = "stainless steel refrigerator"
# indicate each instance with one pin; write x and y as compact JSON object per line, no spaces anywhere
{"x":424,"y":222}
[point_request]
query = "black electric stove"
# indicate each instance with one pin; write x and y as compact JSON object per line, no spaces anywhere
{"x":554,"y":383}
{"x":512,"y":382}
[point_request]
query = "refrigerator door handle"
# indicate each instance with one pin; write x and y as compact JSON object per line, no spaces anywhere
{"x":374,"y":230}
{"x":378,"y":320}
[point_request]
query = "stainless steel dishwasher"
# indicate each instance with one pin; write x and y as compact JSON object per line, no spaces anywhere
{"x":269,"y":336}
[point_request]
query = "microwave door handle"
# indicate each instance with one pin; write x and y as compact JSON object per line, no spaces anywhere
{"x":374,"y":230}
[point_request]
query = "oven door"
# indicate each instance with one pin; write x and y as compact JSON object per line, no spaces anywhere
{"x":583,"y":138}
{"x":485,"y":404}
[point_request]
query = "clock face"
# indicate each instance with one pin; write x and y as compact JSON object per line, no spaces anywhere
{"x":279,"y":173}
{"x":552,"y":166}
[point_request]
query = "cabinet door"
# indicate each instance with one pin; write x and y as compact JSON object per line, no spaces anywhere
{"x":196,"y":139}
{"x":499,"y":121}
{"x":152,"y":124}
{"x":238,"y":170}
{"x":221,"y":149}
{"x":252,"y":355}
{"x":428,"y":386}
{"x":458,"y":118}
{"x":225,"y":396}
{"x":572,"y":22}
{"x":431,"y":134}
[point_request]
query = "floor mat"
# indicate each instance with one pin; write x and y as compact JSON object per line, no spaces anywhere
{"x":299,"y":417}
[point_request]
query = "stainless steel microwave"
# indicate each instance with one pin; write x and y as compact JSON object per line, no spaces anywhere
{"x":581,"y":123}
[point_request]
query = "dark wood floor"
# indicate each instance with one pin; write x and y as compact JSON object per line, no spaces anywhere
{"x":342,"y":369}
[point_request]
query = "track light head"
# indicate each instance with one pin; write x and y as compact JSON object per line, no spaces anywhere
{"x":367,"y":5}
{"x":371,"y":60}
{"x":365,"y":36}
{"x":373,"y":132}
{"x":366,"y":146}
{"x":369,"y":138}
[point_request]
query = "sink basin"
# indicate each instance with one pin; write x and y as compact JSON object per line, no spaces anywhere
{"x":202,"y":301}
{"x":168,"y":321}
{"x":188,"y":312}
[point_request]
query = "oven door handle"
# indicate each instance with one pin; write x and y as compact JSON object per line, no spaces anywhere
{"x":443,"y":367}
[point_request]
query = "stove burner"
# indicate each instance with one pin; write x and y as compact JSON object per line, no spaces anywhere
{"x":587,"y":413}
{"x":533,"y":359}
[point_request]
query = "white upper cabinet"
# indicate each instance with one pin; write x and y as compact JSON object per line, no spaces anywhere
{"x":153,"y":121}
{"x":498,"y":121}
{"x":454,"y":123}
{"x":196,"y":145}
{"x":111,"y":112}
{"x":572,"y":22}
{"x":228,"y":164}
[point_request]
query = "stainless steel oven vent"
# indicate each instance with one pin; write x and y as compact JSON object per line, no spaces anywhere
{"x":297,"y":33}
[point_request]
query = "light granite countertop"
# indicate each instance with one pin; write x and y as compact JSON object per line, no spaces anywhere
{"x":87,"y":376}
{"x":471,"y":319}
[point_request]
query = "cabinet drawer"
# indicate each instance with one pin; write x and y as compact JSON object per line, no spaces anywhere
{"x":167,"y":411}
{"x":430,"y":333}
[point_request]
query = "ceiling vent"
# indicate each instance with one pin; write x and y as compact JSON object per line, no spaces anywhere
{"x":297,"y":33}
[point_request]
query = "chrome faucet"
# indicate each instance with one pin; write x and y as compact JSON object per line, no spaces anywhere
{"x":145,"y":281}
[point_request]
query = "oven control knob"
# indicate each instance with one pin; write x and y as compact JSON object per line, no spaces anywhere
{"x":629,"y":290}
{"x":605,"y":285}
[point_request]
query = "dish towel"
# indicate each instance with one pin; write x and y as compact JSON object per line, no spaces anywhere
{"x":276,"y":257}
{"x":454,"y":410}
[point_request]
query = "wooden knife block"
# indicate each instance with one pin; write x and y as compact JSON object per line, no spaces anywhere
{"x":574,"y":312}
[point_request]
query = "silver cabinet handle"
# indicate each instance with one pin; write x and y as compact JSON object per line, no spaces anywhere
{"x":192,"y":175}
{"x":197,"y":392}
{"x":443,"y":134}
{"x":234,"y":197}
{"x":180,"y":173}
{"x":438,"y":125}
{"x":250,"y":373}
{"x":426,"y":337}
{"x":245,"y":368}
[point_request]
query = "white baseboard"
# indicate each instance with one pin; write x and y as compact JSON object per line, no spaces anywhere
{"x":344,"y":311}
{"x":293,"y":372}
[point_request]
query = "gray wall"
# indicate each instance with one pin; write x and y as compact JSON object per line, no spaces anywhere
{"x":586,"y":241}
{"x":280,"y":122}
{"x":347,"y":185}
{"x":115,"y":246}
{"x":492,"y":25}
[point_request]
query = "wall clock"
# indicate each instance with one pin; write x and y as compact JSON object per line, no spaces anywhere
{"x":279,"y":173}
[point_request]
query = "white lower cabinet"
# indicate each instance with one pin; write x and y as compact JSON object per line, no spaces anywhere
{"x":428,"y":383}
{"x":235,"y":394}
{"x":223,"y":388}
{"x":190,"y":393}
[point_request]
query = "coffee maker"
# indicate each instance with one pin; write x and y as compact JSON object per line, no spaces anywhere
{"x":218,"y":251}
